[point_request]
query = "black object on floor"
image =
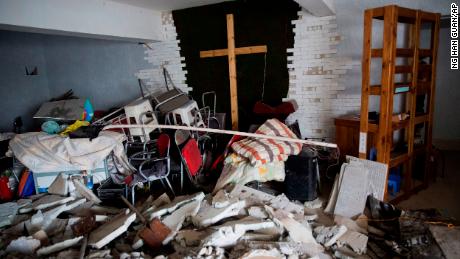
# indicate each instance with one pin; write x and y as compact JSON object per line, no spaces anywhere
{"x":301,"y":176}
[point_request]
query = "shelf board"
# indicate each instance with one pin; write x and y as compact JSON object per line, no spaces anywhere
{"x":423,"y":87}
{"x":400,"y":88}
{"x":425,"y":52}
{"x":421,"y":118}
{"x":373,"y":127}
{"x":403,"y":69}
{"x":398,"y":159}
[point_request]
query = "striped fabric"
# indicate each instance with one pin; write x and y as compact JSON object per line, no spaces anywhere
{"x":262,"y":151}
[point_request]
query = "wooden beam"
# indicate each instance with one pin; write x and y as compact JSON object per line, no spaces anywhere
{"x":238,"y":51}
{"x":232,"y":71}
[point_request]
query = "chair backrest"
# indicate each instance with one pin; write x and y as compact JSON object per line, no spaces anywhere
{"x":192,"y":156}
{"x":163,"y":144}
{"x":181,"y":136}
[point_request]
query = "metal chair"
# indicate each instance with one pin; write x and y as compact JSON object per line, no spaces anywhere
{"x":152,"y":166}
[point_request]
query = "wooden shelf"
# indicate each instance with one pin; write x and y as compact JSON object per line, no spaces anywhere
{"x":387,"y":88}
{"x":376,"y":89}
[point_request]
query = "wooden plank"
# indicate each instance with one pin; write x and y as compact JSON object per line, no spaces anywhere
{"x":238,"y":51}
{"x":434,"y":47}
{"x":366,"y":70}
{"x":232,"y":71}
{"x":401,"y":52}
{"x":403,"y":69}
{"x":377,"y":13}
{"x":398,"y":160}
{"x":425,"y":53}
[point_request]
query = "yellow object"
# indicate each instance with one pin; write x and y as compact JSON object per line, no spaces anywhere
{"x":71,"y":128}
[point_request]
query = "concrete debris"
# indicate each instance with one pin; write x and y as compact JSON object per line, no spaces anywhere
{"x":112,"y":229}
{"x":327,"y":236}
{"x":257,"y":212}
{"x":289,"y":249}
{"x":281,"y":202}
{"x":314,"y":204}
{"x":170,"y":207}
{"x":42,"y":236}
{"x":7,"y":213}
{"x":263,"y":253}
{"x":207,"y":252}
{"x":191,"y":237}
{"x":220,"y":199}
{"x":228,"y":233}
{"x":60,"y":185}
{"x":297,"y":231}
{"x":85,"y":192}
{"x":84,"y":226}
{"x":58,"y":246}
{"x":99,"y":254}
{"x":209,"y":215}
{"x":135,"y":255}
{"x":67,"y":254}
{"x":24,"y":245}
{"x":355,"y":240}
{"x":150,"y":205}
{"x":50,"y":201}
{"x":175,"y":220}
{"x":359,"y":225}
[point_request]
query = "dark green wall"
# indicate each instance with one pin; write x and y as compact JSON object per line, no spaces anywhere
{"x":257,"y":22}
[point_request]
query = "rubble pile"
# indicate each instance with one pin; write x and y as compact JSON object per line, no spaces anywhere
{"x":239,"y":222}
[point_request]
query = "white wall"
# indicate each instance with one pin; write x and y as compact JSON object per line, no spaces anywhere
{"x":90,"y":18}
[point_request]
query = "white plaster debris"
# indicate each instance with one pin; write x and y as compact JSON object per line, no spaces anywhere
{"x":85,"y":192}
{"x":314,"y":204}
{"x":191,"y":237}
{"x":209,"y":215}
{"x":220,"y":199}
{"x":50,"y":201}
{"x":112,"y":229}
{"x":175,"y":221}
{"x":170,"y":207}
{"x":24,"y":245}
{"x":257,"y":212}
{"x":327,"y":236}
{"x":297,"y":231}
{"x":355,"y":240}
{"x":263,"y":253}
{"x":60,"y":185}
{"x":7,"y":213}
{"x":359,"y":225}
{"x":228,"y":233}
{"x":281,"y":202}
{"x":150,"y":205}
{"x":59,"y":246}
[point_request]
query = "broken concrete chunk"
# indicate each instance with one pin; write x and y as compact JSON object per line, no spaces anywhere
{"x":103,"y":210}
{"x":221,"y":199}
{"x":7,"y":213}
{"x":263,"y":253}
{"x":177,"y":202}
{"x":314,"y":204}
{"x":48,"y":201}
{"x":297,"y":231}
{"x":112,"y":229}
{"x":281,"y":202}
{"x":209,"y":215}
{"x":67,"y":254}
{"x":42,"y":236}
{"x":257,"y":212}
{"x":175,"y":220}
{"x":60,"y":185}
{"x":83,"y":226}
{"x":191,"y":237}
{"x":290,"y":249}
{"x":351,"y":224}
{"x":329,"y":235}
{"x":355,"y":240}
{"x":228,"y":233}
{"x":85,"y":192}
{"x":24,"y":245}
{"x":50,"y":215}
{"x":58,"y":246}
{"x":251,"y":195}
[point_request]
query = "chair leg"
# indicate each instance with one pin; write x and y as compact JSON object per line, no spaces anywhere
{"x":133,"y":199}
{"x":164,"y":185}
{"x":181,"y":177}
{"x":170,"y":187}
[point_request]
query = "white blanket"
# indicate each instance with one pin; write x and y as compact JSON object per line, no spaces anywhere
{"x":41,"y":152}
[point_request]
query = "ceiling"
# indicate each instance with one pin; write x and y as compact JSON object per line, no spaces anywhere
{"x":168,"y":5}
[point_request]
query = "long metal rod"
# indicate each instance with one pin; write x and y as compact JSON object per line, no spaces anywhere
{"x":229,"y":132}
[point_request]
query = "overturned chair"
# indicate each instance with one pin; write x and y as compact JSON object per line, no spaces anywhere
{"x":152,"y":166}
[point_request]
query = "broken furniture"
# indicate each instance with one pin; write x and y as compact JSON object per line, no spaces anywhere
{"x":191,"y":159}
{"x":140,"y":112}
{"x":171,"y":99}
{"x":231,"y":52}
{"x":188,"y":114}
{"x":152,"y":166}
{"x":47,"y":155}
{"x":410,"y":64}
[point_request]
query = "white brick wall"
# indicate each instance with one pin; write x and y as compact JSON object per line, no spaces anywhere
{"x":315,"y":76}
{"x":165,"y":53}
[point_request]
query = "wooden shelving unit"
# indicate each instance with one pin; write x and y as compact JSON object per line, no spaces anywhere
{"x":418,"y":73}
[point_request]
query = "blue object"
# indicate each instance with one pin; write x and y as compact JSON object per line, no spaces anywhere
{"x":394,"y":184}
{"x":373,"y":154}
{"x":29,"y":187}
{"x":89,"y":111}
{"x":51,"y":127}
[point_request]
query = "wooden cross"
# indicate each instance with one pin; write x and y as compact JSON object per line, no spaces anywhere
{"x":231,"y":52}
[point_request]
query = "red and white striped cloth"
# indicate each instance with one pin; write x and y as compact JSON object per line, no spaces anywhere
{"x":262,"y":151}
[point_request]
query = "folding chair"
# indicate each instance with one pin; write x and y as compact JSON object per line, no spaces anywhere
{"x":152,"y":166}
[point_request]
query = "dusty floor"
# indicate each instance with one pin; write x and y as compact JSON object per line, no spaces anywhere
{"x":444,"y":194}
